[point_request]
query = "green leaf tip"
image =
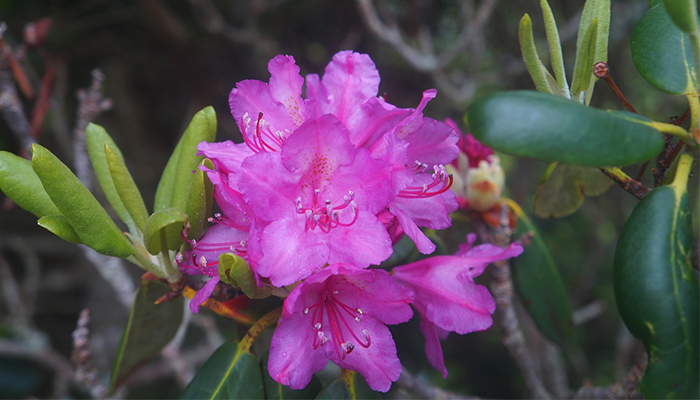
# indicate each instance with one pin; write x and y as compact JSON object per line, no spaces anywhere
{"x":20,"y":183}
{"x":83,"y":212}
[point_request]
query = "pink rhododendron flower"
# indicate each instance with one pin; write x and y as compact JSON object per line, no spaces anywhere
{"x":446,"y":296}
{"x":339,"y":314}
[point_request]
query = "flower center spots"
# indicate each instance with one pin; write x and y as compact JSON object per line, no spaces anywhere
{"x":442,"y":181}
{"x":324,"y":214}
{"x":338,"y":329}
{"x":262,"y":138}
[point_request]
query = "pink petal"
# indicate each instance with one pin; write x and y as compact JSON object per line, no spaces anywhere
{"x":203,"y":294}
{"x":226,"y":156}
{"x":433,"y":348}
{"x":350,"y":79}
{"x":373,"y":120}
{"x":250,"y":98}
{"x":290,"y":253}
{"x":285,"y":86}
{"x":378,"y":363}
{"x":363,"y":243}
{"x":293,"y":359}
{"x":434,"y":142}
{"x":268,"y":187}
{"x":423,"y":244}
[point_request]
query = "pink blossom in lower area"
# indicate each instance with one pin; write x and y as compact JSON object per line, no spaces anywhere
{"x":446,"y":296}
{"x":340,"y":314}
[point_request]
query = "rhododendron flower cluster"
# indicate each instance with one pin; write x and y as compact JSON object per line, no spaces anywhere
{"x":326,"y":180}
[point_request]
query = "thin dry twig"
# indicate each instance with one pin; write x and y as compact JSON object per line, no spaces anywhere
{"x":85,"y":372}
{"x":501,"y":286}
{"x":420,"y":388}
{"x":627,"y":388}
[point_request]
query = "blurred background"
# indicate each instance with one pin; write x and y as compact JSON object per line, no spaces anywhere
{"x":142,"y":68}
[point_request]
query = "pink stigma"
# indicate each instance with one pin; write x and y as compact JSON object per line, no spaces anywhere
{"x":339,"y":331}
{"x":442,"y":181}
{"x":324,"y":215}
{"x":263,"y":139}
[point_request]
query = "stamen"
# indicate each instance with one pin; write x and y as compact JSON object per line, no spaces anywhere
{"x":440,"y":177}
{"x":323,"y":214}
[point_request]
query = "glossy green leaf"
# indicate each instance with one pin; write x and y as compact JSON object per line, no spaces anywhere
{"x":59,"y":226}
{"x":162,"y":230}
{"x":277,"y":391}
{"x":595,"y":10}
{"x":550,"y":128}
{"x":150,"y":328}
{"x":532,"y":60}
{"x":84,"y":213}
{"x":20,"y":183}
{"x":227,"y":374}
{"x":235,"y":271}
{"x":683,"y":13}
{"x":174,"y":184}
{"x":662,"y":52}
{"x":564,"y":188}
{"x":96,"y":138}
{"x":199,"y":201}
{"x":350,"y":386}
{"x":126,"y":188}
{"x":555,"y":52}
{"x":657,"y":290}
{"x":540,"y":286}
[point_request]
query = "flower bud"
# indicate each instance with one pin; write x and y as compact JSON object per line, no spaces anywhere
{"x":484,"y":184}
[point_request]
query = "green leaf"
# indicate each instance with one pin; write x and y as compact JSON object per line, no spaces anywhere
{"x":350,"y":386}
{"x":126,"y":188}
{"x":662,"y":52}
{"x":235,"y":271}
{"x":199,"y":201}
{"x":174,"y":184}
{"x":540,"y":286}
{"x":550,"y":128}
{"x":275,"y":390}
{"x":684,"y":14}
{"x":150,"y":328}
{"x":83,"y":212}
{"x":554,"y":43}
{"x":532,"y":59}
{"x":228,"y":374}
{"x":59,"y":226}
{"x":96,"y":139}
{"x":657,"y":291}
{"x":564,"y":188}
{"x":585,"y":58}
{"x":20,"y":183}
{"x":162,"y":230}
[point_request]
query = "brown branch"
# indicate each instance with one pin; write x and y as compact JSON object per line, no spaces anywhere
{"x":85,"y":372}
{"x":630,"y":185}
{"x":501,"y":287}
{"x":625,"y":389}
{"x":418,"y":387}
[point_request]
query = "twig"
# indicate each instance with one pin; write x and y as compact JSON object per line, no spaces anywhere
{"x":85,"y":372}
{"x":625,"y":389}
{"x":414,"y":385}
{"x":501,"y":286}
{"x":602,"y":71}
{"x":630,"y":185}
{"x":588,"y":312}
{"x":91,"y":104}
{"x":11,"y":105}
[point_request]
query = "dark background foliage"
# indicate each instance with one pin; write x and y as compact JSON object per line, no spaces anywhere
{"x":164,"y":60}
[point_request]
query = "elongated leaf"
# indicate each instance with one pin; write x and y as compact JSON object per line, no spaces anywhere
{"x":20,"y":183}
{"x":550,"y":128}
{"x":59,"y":226}
{"x":84,"y":213}
{"x":585,"y":58}
{"x":174,"y":183}
{"x":540,"y":286}
{"x":554,"y":43}
{"x":96,"y":138}
{"x":163,"y":229}
{"x":657,"y":291}
{"x":350,"y":386}
{"x":683,"y":13}
{"x":126,"y":188}
{"x":532,"y":59}
{"x":275,"y":390}
{"x":662,"y":52}
{"x":199,"y":201}
{"x":565,"y":187}
{"x":150,"y":328}
{"x":227,"y":374}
